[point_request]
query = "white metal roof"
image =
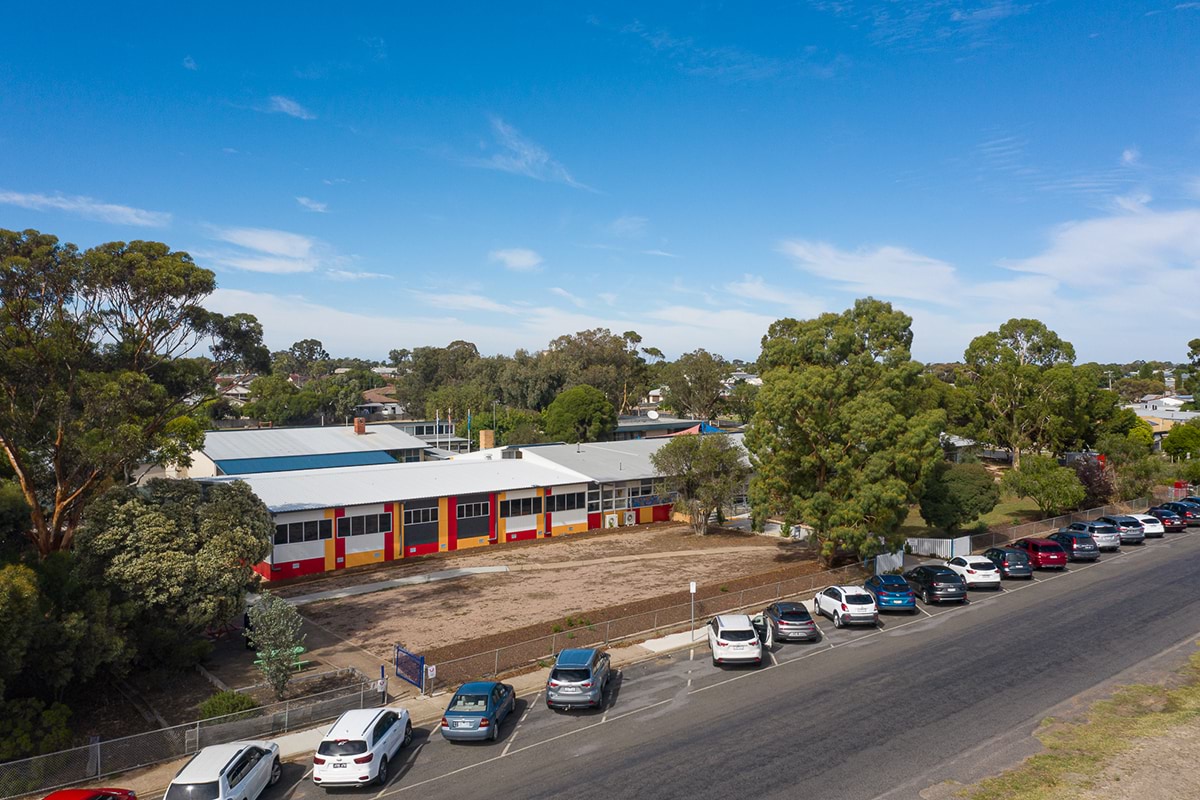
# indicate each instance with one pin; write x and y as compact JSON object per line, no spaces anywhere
{"x":275,"y":442}
{"x":607,"y":462}
{"x":354,"y":486}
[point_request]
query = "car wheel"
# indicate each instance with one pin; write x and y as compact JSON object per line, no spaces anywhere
{"x":382,"y":776}
{"x":495,"y":732}
{"x":925,"y":596}
{"x":276,"y":772}
{"x":407,"y":734}
{"x":715,"y":662}
{"x":837,"y":620}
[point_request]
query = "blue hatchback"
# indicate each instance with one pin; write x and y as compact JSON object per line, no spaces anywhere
{"x":892,"y":593}
{"x":477,"y":710}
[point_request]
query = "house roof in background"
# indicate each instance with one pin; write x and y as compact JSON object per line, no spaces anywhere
{"x":277,"y":442}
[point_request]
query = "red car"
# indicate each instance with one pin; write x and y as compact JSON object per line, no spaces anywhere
{"x":92,"y":794}
{"x":1043,"y":553}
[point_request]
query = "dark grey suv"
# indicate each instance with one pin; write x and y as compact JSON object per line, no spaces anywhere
{"x":1011,"y":563}
{"x":579,"y":679}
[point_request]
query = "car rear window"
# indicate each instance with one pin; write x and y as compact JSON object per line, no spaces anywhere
{"x":469,"y":702}
{"x":569,"y":675}
{"x":1104,"y":529}
{"x":795,"y":615}
{"x":340,"y":747}
{"x":1048,"y":548}
{"x":738,"y":635}
{"x":193,"y":791}
{"x":982,"y":566}
{"x":859,"y":599}
{"x":1016,"y":557}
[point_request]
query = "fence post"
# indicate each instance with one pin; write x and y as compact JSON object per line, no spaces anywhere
{"x":197,"y":736}
{"x":606,"y":624}
{"x":496,"y":671}
{"x":779,"y":590}
{"x":286,"y":715}
{"x":656,"y":623}
{"x":553,"y":641}
{"x":362,"y":697}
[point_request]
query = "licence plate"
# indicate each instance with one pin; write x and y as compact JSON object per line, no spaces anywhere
{"x":462,"y":724}
{"x":570,"y":690}
{"x":338,"y":765}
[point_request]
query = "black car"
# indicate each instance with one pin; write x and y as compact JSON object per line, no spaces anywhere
{"x":1190,"y":512}
{"x":935,"y":584}
{"x":1171,"y":521}
{"x":791,"y":622}
{"x":1011,"y":563}
{"x":1079,"y":546}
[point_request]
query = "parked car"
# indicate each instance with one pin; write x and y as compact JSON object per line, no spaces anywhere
{"x":1043,"y":553}
{"x":1152,"y":525}
{"x":1011,"y":563}
{"x":358,"y":748}
{"x":234,"y":771}
{"x":936,"y":583}
{"x":1191,"y":498}
{"x":477,"y":710}
{"x":1171,"y":521}
{"x":790,"y":622}
{"x":977,"y":572}
{"x":1106,"y":536}
{"x":1077,"y":545}
{"x":892,"y":593}
{"x":733,"y":639}
{"x":579,"y":679}
{"x":1189,"y":512}
{"x":92,"y":794}
{"x":1130,"y":529}
{"x":847,"y":605}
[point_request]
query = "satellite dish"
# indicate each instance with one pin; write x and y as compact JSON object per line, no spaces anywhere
{"x":652,"y":414}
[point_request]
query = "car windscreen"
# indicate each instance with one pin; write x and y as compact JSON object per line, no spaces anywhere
{"x":795,"y":615}
{"x":341,"y":747}
{"x":569,"y":675}
{"x":738,"y":635}
{"x":193,"y":791}
{"x":859,"y":599}
{"x":469,"y":702}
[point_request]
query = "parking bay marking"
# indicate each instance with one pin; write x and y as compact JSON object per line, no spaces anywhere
{"x":516,"y":728}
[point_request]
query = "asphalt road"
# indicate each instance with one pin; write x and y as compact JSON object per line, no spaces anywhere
{"x":866,"y":713}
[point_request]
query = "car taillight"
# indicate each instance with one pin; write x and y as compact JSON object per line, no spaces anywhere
{"x":722,"y":644}
{"x":364,"y":759}
{"x":844,"y":607}
{"x":1004,"y":563}
{"x":970,"y":571}
{"x":483,"y":723}
{"x":554,"y":684}
{"x":586,"y":684}
{"x":319,"y":760}
{"x":445,"y":723}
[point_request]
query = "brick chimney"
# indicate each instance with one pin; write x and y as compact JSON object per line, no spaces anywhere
{"x":360,"y":425}
{"x":487,"y":439}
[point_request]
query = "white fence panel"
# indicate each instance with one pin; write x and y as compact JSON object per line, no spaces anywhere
{"x":889,"y":562}
{"x":939,"y":548}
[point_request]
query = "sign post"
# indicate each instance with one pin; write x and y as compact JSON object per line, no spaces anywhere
{"x":692,"y":590}
{"x":430,"y":674}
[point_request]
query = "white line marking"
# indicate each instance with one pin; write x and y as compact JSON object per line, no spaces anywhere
{"x":516,"y":728}
{"x":774,"y":661}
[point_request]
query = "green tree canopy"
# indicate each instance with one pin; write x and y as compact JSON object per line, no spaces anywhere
{"x":695,"y":384}
{"x":839,"y":439}
{"x":1051,"y":487}
{"x":580,"y":414}
{"x":94,"y":366}
{"x":1183,"y":441}
{"x":704,"y":471}
{"x":603,"y":360}
{"x":956,"y":494}
{"x":274,"y":634}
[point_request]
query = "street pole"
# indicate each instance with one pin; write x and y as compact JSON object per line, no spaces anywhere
{"x":692,"y":589}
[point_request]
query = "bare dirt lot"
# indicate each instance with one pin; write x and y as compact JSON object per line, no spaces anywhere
{"x":549,"y":581}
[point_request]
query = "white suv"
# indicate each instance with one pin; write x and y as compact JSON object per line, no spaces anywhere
{"x":235,"y":771}
{"x":847,"y":605}
{"x":733,"y":639}
{"x":356,"y":750}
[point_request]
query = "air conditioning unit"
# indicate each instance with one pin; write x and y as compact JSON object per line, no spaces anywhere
{"x":631,"y":518}
{"x":610,"y":520}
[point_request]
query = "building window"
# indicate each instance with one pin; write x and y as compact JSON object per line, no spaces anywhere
{"x":343,"y":527}
{"x":281,"y":534}
{"x":566,"y":502}
{"x":472,"y":510}
{"x":311,"y":529}
{"x":325,"y":529}
{"x":361,"y":525}
{"x":521,"y":508}
{"x":593,"y":501}
{"x":418,"y":516}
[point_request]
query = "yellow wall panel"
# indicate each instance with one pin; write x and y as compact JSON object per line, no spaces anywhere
{"x":474,"y":541}
{"x":444,"y":523}
{"x":330,"y":554}
{"x":359,"y":559}
{"x":646,"y":514}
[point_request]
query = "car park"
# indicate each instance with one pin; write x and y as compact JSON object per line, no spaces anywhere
{"x":1130,"y":529}
{"x":579,"y":678}
{"x":847,"y":605}
{"x":733,"y":639}
{"x":1043,"y":553}
{"x":1189,"y":512}
{"x":790,"y":622}
{"x":892,"y":593}
{"x":477,"y":710}
{"x":1078,"y":546}
{"x":935,"y":584}
{"x":1151,"y":525}
{"x":359,"y":747}
{"x":1171,"y":521}
{"x":92,"y":794}
{"x":1104,"y":535}
{"x":976,"y":572}
{"x":1011,"y":563}
{"x":234,"y":771}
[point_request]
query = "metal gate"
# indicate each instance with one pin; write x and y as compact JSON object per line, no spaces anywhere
{"x":410,"y":667}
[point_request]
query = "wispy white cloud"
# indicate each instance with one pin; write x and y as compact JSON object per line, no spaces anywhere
{"x":350,"y":275}
{"x":335,"y":181}
{"x":278,"y":104}
{"x":313,"y":205}
{"x":886,"y":270}
{"x":1134,"y":202}
{"x":927,"y":25}
{"x":659,"y":253}
{"x":521,"y":156}
{"x":266,"y":250}
{"x":578,"y":302}
{"x":377,"y":47}
{"x":755,"y":289}
{"x":190,"y":63}
{"x":1131,"y":156}
{"x":88,"y":208}
{"x":517,"y":259}
{"x":462,"y":300}
{"x":628,"y":226}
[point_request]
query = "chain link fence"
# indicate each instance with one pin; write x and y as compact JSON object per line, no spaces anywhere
{"x":668,"y":619}
{"x":982,"y":541}
{"x":53,"y":770}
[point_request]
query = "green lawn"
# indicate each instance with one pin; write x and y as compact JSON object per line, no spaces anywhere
{"x":1008,"y":512}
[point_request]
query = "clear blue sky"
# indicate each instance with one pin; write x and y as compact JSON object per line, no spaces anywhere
{"x":391,"y":178}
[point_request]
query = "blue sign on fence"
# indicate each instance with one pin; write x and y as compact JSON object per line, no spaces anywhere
{"x":410,"y":666}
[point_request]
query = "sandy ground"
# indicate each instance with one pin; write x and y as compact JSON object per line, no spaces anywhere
{"x":1157,"y":769}
{"x":432,"y":615}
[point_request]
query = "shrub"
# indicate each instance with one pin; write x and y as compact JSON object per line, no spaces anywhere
{"x":223,"y":704}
